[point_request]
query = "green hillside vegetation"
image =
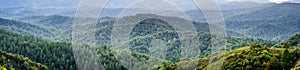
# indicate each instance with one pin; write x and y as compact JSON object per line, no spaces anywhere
{"x":253,"y":57}
{"x":55,"y":55}
{"x":2,"y":68}
{"x":297,"y":67}
{"x":61,"y":57}
{"x":58,"y":55}
{"x":151,"y":29}
{"x":61,"y":26}
{"x":17,"y":62}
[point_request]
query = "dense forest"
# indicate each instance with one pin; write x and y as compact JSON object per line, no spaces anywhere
{"x":60,"y":54}
{"x":256,"y":40}
{"x":54,"y":55}
{"x":17,"y":62}
{"x":252,"y":57}
{"x":57,"y":53}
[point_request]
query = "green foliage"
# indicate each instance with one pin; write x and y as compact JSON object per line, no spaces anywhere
{"x":2,"y":68}
{"x":258,"y":57}
{"x":18,"y":62}
{"x":167,"y":66}
{"x":273,"y":64}
{"x":107,"y":59}
{"x":255,"y":57}
{"x":150,"y":29}
{"x":53,"y":54}
{"x":58,"y":55}
{"x":285,"y":45}
{"x":143,"y":34}
{"x":285,"y":59}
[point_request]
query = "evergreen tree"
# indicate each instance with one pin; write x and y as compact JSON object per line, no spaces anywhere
{"x":285,"y":59}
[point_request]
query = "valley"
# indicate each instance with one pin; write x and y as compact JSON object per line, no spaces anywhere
{"x":259,"y":37}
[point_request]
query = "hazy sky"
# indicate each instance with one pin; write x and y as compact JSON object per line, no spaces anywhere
{"x":114,"y":3}
{"x":265,"y":1}
{"x":122,"y":3}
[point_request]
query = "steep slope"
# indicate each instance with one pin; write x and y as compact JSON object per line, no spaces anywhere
{"x":13,"y":61}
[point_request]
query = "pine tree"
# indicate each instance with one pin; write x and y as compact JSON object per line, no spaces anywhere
{"x":285,"y":59}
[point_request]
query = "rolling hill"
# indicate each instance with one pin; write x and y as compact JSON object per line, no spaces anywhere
{"x":60,"y":53}
{"x":270,"y":21}
{"x":259,"y":21}
{"x":253,"y":57}
{"x":266,"y":21}
{"x":38,"y":36}
{"x":25,"y":28}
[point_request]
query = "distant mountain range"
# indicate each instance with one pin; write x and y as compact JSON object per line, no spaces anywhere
{"x":44,"y":35}
{"x":266,"y":21}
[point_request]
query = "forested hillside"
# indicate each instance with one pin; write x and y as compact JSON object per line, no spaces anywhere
{"x":17,"y":62}
{"x":53,"y":21}
{"x":259,"y":22}
{"x":60,"y":54}
{"x":257,"y":57}
{"x":25,"y":28}
{"x":265,"y":21}
{"x":254,"y":57}
{"x":55,"y":55}
{"x":256,"y":39}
